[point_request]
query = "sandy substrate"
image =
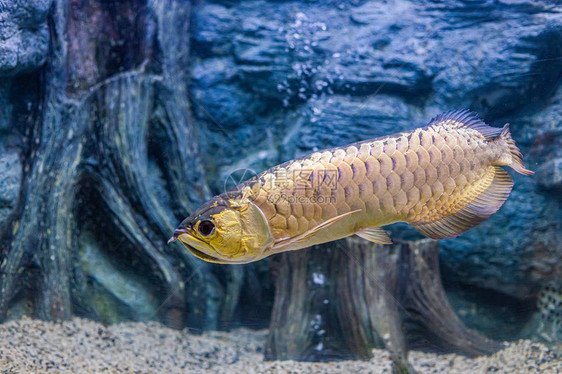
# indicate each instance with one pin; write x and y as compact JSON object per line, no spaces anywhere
{"x":84,"y":346}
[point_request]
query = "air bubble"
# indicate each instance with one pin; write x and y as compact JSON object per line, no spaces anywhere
{"x":318,"y":278}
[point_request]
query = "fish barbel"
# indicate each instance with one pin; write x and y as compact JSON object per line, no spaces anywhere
{"x":442,"y":179}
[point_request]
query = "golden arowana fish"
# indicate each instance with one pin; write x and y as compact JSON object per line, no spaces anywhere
{"x":441,"y":179}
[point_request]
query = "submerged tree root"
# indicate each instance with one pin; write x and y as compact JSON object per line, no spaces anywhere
{"x":111,"y":143}
{"x":373,"y":296}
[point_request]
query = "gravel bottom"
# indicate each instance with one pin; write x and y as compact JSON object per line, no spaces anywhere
{"x":85,"y":346}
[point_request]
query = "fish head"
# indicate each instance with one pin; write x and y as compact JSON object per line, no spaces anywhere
{"x":226,"y":231}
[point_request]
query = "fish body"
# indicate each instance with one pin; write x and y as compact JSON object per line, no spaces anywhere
{"x":441,"y":179}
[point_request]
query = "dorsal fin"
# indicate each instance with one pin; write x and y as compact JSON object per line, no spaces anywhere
{"x":465,"y":119}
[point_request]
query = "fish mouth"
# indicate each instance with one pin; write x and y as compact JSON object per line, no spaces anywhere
{"x":191,"y":243}
{"x":203,"y":256}
{"x":177,"y":233}
{"x":194,"y":245}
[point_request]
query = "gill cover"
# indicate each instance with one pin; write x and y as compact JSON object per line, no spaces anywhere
{"x":255,"y":236}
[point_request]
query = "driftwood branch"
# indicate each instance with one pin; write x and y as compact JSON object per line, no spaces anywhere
{"x":376,"y":293}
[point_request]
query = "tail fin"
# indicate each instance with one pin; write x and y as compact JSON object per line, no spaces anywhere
{"x":516,"y":158}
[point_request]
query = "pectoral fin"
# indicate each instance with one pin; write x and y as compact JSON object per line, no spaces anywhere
{"x":280,"y":243}
{"x":375,"y":235}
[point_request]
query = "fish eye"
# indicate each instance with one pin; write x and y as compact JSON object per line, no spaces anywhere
{"x":206,"y":228}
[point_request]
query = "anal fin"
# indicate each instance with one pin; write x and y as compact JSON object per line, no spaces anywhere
{"x":375,"y":235}
{"x":483,"y":205}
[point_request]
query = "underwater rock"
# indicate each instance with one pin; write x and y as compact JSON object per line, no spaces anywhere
{"x":24,"y":35}
{"x":550,"y":174}
{"x":5,"y":105}
{"x":327,"y":120}
{"x":213,"y":25}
